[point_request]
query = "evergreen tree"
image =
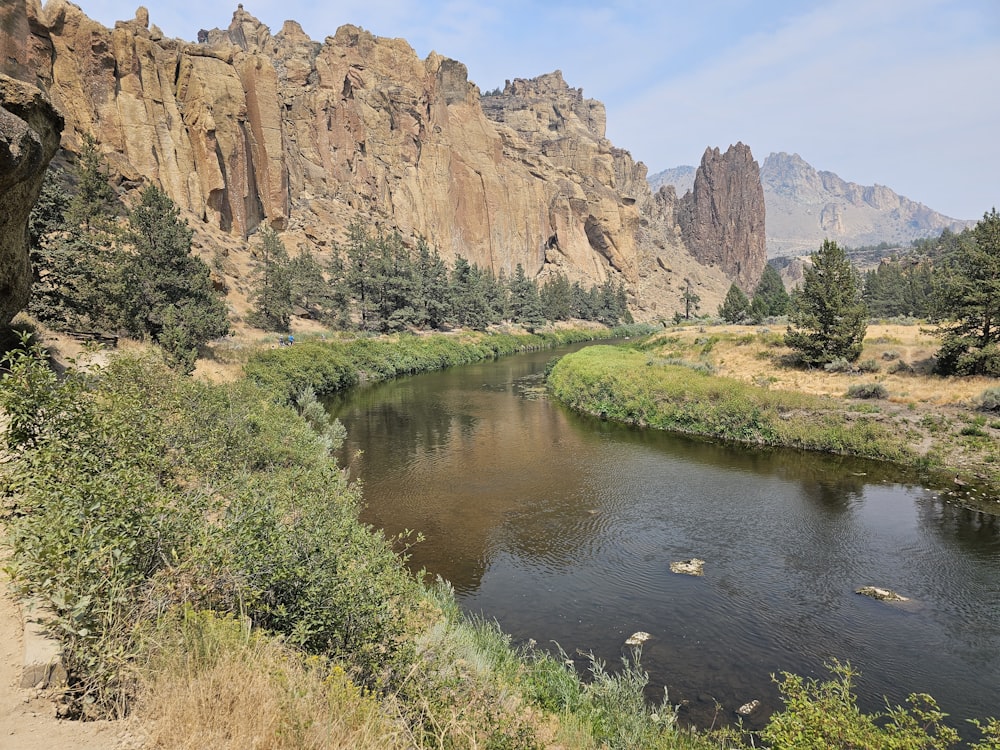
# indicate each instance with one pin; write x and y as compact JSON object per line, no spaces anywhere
{"x":769,"y":298}
{"x":900,"y":288}
{"x":165,"y":291}
{"x":71,"y":248}
{"x":690,"y":299}
{"x":968,"y":303}
{"x":469,"y":305}
{"x":432,"y":294}
{"x":828,"y":314}
{"x":556,"y":297}
{"x":309,"y":289}
{"x":94,"y":205}
{"x":582,"y":302}
{"x":397,"y":286}
{"x":272,"y":294}
{"x":735,"y":307}
{"x":525,"y":304}
{"x":359,"y":276}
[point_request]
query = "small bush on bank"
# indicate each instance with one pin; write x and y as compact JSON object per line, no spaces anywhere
{"x":867,"y":391}
{"x":989,"y":401}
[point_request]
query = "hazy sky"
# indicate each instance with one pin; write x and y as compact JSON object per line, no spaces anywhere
{"x":902,"y":93}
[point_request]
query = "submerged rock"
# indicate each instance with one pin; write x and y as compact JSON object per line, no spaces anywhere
{"x":692,"y":567}
{"x":883,"y":595}
{"x":637,"y":638}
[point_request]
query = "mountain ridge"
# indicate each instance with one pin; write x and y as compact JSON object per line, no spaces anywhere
{"x":805,"y":206}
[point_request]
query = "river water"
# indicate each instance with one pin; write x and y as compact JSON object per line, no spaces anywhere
{"x":563,"y":528}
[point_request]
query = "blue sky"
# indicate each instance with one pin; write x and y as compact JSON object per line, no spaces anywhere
{"x":901,"y":93}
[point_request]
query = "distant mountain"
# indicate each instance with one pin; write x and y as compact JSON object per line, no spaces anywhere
{"x":805,"y":206}
{"x":682,"y":178}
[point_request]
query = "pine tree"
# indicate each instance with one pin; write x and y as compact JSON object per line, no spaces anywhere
{"x":272,"y":293}
{"x":828,"y":314}
{"x":432,"y":295}
{"x":968,"y":303}
{"x":94,"y":204}
{"x":735,"y":307}
{"x":166,"y":292}
{"x":309,"y":289}
{"x":769,"y":298}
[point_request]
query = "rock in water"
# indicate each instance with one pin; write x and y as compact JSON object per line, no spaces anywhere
{"x":692,"y":567}
{"x":637,"y":638}
{"x":883,"y":595}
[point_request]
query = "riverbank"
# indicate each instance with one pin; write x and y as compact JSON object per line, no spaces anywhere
{"x":737,"y":383}
{"x":199,"y":548}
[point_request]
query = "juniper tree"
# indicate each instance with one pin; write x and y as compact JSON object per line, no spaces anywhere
{"x":828,"y":318}
{"x":165,"y":291}
{"x":968,"y":303}
{"x":735,"y":307}
{"x":272,"y":291}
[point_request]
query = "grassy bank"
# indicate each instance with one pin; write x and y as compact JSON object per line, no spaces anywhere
{"x":738,"y":383}
{"x":200,"y":555}
{"x":328,"y":366}
{"x":633,"y":387}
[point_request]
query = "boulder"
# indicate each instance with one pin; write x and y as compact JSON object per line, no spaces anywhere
{"x":692,"y":567}
{"x":29,"y":137}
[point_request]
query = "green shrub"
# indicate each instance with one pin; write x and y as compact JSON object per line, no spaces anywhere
{"x":825,"y":715}
{"x":989,"y":401}
{"x":867,"y":390}
{"x":839,"y":365}
{"x":868,"y":366}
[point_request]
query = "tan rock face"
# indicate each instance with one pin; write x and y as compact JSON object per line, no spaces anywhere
{"x":722,"y":218}
{"x":244,"y":128}
{"x":29,"y":136}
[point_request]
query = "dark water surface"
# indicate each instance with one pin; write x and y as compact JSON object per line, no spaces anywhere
{"x":562,"y":528}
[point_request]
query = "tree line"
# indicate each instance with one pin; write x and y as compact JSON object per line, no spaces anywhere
{"x":374,"y":282}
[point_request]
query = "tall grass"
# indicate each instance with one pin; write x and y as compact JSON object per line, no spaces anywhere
{"x":632,"y":387}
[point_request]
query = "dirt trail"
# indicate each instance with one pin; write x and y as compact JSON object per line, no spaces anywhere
{"x":28,"y":717}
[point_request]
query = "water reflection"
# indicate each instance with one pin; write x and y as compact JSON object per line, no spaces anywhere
{"x":563,"y":528}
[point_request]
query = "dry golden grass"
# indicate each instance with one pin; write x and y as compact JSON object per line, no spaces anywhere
{"x":258,"y":695}
{"x":760,"y":364}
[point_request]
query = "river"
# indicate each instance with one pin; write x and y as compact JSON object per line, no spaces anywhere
{"x":563,"y":528}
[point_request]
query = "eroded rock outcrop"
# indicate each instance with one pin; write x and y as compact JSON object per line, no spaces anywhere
{"x":722,"y":218}
{"x":29,"y":136}
{"x":244,"y":128}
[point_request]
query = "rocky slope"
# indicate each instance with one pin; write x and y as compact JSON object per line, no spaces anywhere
{"x":245,"y":127}
{"x":806,"y":206}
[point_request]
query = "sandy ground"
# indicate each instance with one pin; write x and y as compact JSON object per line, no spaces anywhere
{"x":28,"y":716}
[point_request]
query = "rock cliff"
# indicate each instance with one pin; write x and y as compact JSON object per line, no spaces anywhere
{"x":244,"y":127}
{"x":29,"y":136}
{"x":722,"y":217}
